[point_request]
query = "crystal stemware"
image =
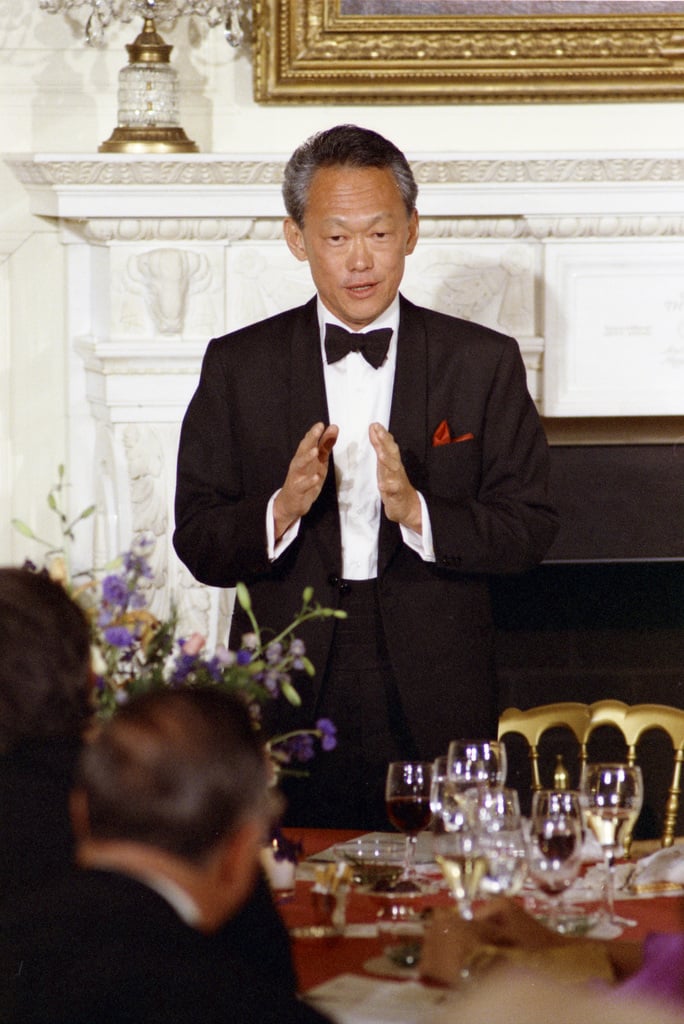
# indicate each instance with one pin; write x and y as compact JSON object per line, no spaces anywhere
{"x":554,"y":853}
{"x":407,"y":799}
{"x":463,"y":864}
{"x":477,"y":763}
{"x":447,"y":801}
{"x":496,"y":816}
{"x":613,"y":795}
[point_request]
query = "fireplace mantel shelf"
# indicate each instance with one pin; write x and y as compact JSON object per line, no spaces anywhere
{"x":544,"y":184}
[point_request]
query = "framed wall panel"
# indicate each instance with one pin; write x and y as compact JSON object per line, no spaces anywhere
{"x":465,"y":51}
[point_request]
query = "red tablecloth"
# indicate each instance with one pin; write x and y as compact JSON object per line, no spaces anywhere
{"x":317,"y":960}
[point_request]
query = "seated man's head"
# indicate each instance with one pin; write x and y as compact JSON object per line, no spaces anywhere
{"x":45,"y":676}
{"x":176,"y":785}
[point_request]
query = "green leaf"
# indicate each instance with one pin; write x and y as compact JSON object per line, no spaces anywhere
{"x":290,"y":694}
{"x":308,"y":667}
{"x":22,"y":528}
{"x":52,"y":501}
{"x":307,"y":595}
{"x":88,"y":511}
{"x":243,"y":598}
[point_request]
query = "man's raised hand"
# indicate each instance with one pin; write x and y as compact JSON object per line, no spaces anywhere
{"x":305,"y":476}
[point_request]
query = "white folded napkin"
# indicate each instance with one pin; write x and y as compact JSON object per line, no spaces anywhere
{"x":662,"y":871}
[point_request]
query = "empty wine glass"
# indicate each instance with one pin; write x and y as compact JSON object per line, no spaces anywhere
{"x":477,"y":763}
{"x":495,"y":814}
{"x":613,"y":795}
{"x":407,"y":799}
{"x":554,"y":852}
{"x":446,"y":800}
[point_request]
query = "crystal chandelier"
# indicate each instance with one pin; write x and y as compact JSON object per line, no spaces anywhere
{"x":148,"y":120}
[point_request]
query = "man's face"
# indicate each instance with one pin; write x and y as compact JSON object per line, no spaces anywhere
{"x":356,"y":236}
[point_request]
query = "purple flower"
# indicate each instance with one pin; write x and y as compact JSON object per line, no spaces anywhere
{"x":225,"y":657}
{"x":118,"y":636}
{"x":271,"y":681}
{"x":244,"y":657}
{"x":182,"y":668}
{"x":297,"y":648}
{"x":274,"y":653}
{"x":137,"y":564}
{"x":328,"y":733}
{"x":105,"y":616}
{"x":115,"y":590}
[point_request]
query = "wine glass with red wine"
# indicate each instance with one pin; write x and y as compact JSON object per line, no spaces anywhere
{"x":554,"y":855}
{"x":407,"y":799}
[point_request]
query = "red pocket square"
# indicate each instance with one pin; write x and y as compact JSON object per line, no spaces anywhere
{"x":442,"y":435}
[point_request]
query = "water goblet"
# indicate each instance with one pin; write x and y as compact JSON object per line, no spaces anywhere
{"x":496,"y":816}
{"x":554,"y":852}
{"x":613,"y":795}
{"x":446,"y":800}
{"x":407,"y":799}
{"x":477,"y":763}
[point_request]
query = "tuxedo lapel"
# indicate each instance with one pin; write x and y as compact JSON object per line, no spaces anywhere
{"x":408,"y":415}
{"x":308,"y":405}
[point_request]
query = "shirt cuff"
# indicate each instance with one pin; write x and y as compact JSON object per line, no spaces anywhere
{"x":275,"y":549}
{"x":421,"y":542}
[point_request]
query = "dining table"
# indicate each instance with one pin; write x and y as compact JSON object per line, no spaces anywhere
{"x":350,"y":976}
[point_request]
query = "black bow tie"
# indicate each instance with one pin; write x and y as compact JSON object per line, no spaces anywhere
{"x":372,"y":345}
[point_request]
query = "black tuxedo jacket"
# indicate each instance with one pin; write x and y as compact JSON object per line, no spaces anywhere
{"x":262,"y":387}
{"x":102,"y":947}
{"x":37,"y":850}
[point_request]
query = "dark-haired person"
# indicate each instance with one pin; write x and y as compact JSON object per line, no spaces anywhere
{"x":170,"y":808}
{"x":45,"y":683}
{"x":392,"y":473}
{"x":45,"y":708}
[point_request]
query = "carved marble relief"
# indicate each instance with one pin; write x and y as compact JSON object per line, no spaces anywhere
{"x":165,"y":291}
{"x":493,"y":285}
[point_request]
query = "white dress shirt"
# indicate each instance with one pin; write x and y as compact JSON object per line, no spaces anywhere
{"x":357,"y":396}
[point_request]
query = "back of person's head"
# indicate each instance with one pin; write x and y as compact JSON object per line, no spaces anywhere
{"x":345,"y":145}
{"x":45,"y":676}
{"x":176,"y":770}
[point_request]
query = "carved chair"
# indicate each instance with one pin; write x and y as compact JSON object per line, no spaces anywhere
{"x":632,"y":721}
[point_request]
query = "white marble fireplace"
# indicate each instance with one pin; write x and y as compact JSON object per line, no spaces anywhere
{"x":580,"y":257}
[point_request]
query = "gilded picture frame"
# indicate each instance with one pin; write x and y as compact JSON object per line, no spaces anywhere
{"x":467,"y":51}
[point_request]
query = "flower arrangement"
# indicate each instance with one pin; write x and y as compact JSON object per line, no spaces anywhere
{"x":134,"y":652}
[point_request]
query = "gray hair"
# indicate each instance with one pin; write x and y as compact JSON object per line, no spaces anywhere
{"x":346,"y":145}
{"x":175,"y":769}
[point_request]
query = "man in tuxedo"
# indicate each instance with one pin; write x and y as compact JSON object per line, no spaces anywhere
{"x":391,"y":472}
{"x":170,"y":808}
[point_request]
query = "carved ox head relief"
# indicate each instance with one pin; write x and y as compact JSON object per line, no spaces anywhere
{"x":167,"y":277}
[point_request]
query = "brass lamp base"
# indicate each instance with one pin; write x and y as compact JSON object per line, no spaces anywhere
{"x":148,"y":139}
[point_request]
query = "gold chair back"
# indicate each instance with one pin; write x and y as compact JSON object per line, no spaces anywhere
{"x":632,"y":720}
